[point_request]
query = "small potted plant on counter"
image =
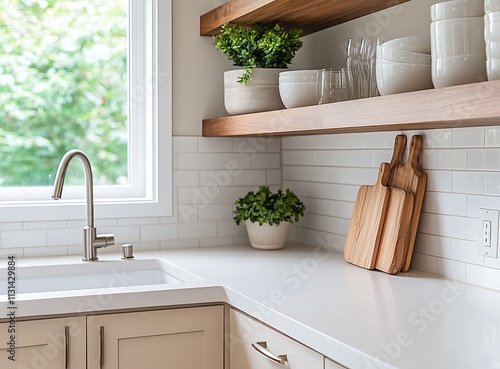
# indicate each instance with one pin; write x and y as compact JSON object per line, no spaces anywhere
{"x":263,"y":51}
{"x":268,"y":216}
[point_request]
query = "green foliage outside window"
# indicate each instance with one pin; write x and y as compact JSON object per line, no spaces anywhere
{"x":63,"y":85}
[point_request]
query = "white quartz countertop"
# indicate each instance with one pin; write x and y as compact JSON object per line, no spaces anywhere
{"x":361,"y":319}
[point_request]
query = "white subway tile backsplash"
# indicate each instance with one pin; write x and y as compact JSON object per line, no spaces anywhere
{"x":11,"y":226}
{"x":326,"y":171}
{"x":45,"y":251}
{"x":468,"y":137}
{"x":466,"y":251}
{"x":445,"y":203}
{"x":198,"y":230}
{"x":24,"y":239}
{"x":45,"y":225}
{"x":273,"y":177}
{"x":486,"y":277}
{"x":228,"y":228}
{"x":463,"y":171}
{"x":186,"y":178}
{"x":65,"y":236}
{"x":452,"y":269}
{"x":451,"y":159}
{"x":158,"y":232}
{"x":492,"y":184}
{"x":492,"y":136}
{"x":486,"y":159}
{"x":468,"y":182}
{"x":185,"y":144}
{"x":250,"y":178}
{"x":438,"y":181}
{"x":215,"y":144}
{"x":436,"y":139}
{"x":180,"y":244}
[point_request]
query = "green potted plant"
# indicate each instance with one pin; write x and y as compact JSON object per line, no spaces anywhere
{"x":268,"y":216}
{"x":262,"y":51}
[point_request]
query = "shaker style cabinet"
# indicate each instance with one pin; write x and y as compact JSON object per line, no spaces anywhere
{"x":179,"y":339}
{"x":48,"y":343}
{"x":252,"y":345}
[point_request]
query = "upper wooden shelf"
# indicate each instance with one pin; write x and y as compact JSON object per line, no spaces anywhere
{"x":470,"y":105}
{"x":308,"y":15}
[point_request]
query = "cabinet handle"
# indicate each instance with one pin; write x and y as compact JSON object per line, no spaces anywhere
{"x":101,"y":347}
{"x":66,"y":347}
{"x":261,"y":347}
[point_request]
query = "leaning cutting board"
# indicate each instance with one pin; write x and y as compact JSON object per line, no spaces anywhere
{"x":394,"y":240}
{"x":367,"y":221}
{"x":393,"y":244}
{"x":409,"y":177}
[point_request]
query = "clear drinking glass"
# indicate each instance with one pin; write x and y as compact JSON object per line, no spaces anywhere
{"x":352,"y":66}
{"x":331,"y":85}
{"x":360,"y":64}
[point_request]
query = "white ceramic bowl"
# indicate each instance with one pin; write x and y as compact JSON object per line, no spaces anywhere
{"x":457,"y":9}
{"x":456,"y":37}
{"x":493,"y":50}
{"x":492,"y":27}
{"x":295,"y":76}
{"x":394,"y":77}
{"x":295,"y":95}
{"x":491,"y":6}
{"x":493,"y":69}
{"x":458,"y":70}
{"x":416,"y":44}
{"x":402,"y":56}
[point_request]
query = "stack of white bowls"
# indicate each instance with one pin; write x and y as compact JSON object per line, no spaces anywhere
{"x":457,"y":42}
{"x":492,"y":38}
{"x":404,"y":65}
{"x":298,"y":88}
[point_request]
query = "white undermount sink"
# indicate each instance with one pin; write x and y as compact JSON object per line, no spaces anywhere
{"x":112,"y":275}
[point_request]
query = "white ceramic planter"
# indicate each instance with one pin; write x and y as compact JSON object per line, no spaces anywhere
{"x":259,"y":94}
{"x":267,"y":237}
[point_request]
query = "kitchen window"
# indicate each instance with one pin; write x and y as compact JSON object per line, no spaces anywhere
{"x":92,"y":75}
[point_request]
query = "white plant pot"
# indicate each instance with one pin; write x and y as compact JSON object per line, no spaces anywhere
{"x":267,"y":237}
{"x":259,"y":94}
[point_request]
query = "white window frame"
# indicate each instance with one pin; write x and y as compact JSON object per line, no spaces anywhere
{"x":151,"y":196}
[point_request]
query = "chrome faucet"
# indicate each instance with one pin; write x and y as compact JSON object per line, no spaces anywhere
{"x":91,"y":240}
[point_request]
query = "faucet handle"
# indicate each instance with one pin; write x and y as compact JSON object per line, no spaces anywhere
{"x":103,"y":240}
{"x":128,"y":251}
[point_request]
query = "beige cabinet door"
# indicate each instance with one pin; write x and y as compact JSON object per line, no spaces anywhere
{"x":46,"y":343}
{"x":185,"y":338}
{"x":329,"y":364}
{"x":245,"y":331}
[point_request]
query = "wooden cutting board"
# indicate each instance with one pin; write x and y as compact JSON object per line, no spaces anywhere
{"x":367,"y":221}
{"x":409,"y":177}
{"x":394,"y":240}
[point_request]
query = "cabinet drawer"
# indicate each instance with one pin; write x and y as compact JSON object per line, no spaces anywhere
{"x":245,"y":331}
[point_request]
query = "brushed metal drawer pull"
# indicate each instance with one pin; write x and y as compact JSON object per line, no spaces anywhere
{"x":66,"y":347}
{"x":101,"y":347}
{"x":261,"y":347}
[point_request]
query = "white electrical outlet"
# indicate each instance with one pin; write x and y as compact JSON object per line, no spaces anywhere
{"x":488,"y":241}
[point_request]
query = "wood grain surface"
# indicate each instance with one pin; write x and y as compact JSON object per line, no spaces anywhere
{"x":308,"y":15}
{"x":367,"y":222}
{"x":472,"y":105}
{"x":410,"y":177}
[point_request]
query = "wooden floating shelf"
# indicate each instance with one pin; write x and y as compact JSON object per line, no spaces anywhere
{"x":308,"y":15}
{"x":469,"y":105}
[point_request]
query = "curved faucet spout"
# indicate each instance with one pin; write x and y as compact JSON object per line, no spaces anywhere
{"x":91,"y":240}
{"x":61,"y":174}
